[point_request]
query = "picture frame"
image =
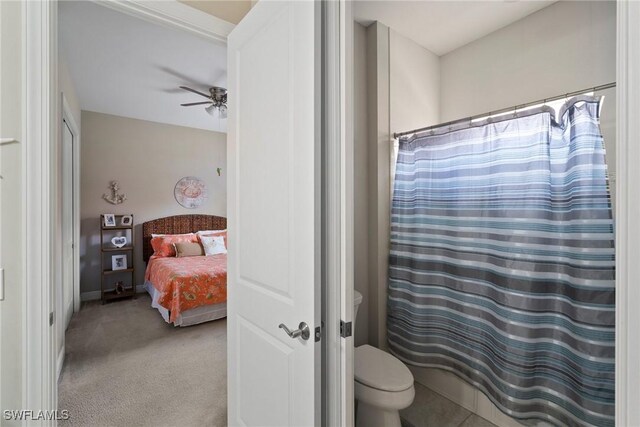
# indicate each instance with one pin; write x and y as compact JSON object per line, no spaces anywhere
{"x":119,"y":241}
{"x":109,"y":220}
{"x":126,"y":221}
{"x":118,"y":262}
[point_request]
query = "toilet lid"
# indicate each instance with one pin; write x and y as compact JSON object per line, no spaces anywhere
{"x":380,"y":370}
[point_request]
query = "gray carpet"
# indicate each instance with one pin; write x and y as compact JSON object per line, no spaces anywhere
{"x":126,"y":367}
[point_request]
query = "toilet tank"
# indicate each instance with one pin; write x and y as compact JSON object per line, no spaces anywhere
{"x":357,"y":299}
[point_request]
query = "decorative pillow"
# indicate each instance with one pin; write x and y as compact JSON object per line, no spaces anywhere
{"x":207,"y":232}
{"x":210,"y":233}
{"x":163,"y":235}
{"x":184,"y":249}
{"x":213,"y":245}
{"x":163,"y":245}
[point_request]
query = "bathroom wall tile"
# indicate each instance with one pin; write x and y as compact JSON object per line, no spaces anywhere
{"x":429,"y":409}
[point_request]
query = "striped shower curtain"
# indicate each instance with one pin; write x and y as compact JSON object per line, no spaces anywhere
{"x":502,"y":262}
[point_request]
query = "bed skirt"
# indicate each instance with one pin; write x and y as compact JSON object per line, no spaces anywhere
{"x":190,"y":317}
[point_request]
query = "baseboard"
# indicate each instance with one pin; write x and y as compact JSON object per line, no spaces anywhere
{"x":60,"y":363}
{"x":89,"y":296}
{"x":95,"y":295}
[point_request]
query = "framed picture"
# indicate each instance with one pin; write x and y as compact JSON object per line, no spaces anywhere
{"x":109,"y":220}
{"x":119,"y":241}
{"x":126,"y":221}
{"x":119,"y":262}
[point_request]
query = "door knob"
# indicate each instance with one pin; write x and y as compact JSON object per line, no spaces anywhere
{"x":302,"y":331}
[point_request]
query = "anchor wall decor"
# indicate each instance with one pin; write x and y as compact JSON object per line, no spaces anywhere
{"x":114,"y":198}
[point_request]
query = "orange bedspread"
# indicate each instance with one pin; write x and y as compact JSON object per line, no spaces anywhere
{"x":188,"y":282}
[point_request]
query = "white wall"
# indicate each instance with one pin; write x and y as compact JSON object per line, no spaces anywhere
{"x":402,"y":91}
{"x":360,"y":178}
{"x":11,"y":214}
{"x":378,"y":155}
{"x":147,"y":159}
{"x":414,"y":80}
{"x":67,"y":89}
{"x":565,"y":47}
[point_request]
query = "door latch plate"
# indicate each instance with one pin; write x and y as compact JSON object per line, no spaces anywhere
{"x":345,"y":329}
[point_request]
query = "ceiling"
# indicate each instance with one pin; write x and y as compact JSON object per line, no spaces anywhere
{"x":128,"y":67}
{"x":443,"y":26}
{"x":229,"y":10}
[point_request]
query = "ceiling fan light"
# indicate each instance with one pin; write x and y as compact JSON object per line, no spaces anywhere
{"x":223,"y":111}
{"x":211,"y":109}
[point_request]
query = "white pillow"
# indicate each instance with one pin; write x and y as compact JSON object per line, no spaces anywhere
{"x":201,"y":232}
{"x":162,"y":235}
{"x":213,"y":245}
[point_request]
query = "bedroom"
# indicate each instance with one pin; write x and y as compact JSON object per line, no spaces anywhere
{"x":121,"y":79}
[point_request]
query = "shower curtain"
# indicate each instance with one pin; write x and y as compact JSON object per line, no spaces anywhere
{"x":502,"y":262}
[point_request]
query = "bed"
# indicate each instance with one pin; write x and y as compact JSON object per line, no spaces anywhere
{"x":190,"y":290}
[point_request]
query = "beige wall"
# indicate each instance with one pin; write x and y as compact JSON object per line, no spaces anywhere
{"x":402,"y":92}
{"x":414,"y":79}
{"x":231,"y":11}
{"x":11,"y":215}
{"x":378,"y":161}
{"x":147,"y":159}
{"x":565,"y":47}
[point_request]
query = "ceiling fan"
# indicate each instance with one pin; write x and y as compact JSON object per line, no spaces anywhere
{"x":217,"y":100}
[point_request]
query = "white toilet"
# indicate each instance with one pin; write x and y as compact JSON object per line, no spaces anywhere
{"x":383,"y":384}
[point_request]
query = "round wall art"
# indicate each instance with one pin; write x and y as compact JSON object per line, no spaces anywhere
{"x":190,"y":192}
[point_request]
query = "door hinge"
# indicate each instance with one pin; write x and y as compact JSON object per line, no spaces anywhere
{"x":51,"y":318}
{"x":345,"y":329}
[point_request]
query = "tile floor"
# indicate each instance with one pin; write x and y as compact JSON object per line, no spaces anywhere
{"x":429,"y":409}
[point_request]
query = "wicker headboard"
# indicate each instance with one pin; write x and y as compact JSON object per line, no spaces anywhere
{"x":178,"y":224}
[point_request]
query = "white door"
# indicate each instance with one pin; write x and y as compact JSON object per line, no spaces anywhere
{"x":274,"y":215}
{"x":67,"y":222}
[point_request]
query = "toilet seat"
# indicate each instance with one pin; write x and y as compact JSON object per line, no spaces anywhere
{"x":379,"y":370}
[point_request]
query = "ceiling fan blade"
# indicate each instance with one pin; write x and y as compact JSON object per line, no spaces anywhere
{"x":195,"y":91}
{"x":195,"y":103}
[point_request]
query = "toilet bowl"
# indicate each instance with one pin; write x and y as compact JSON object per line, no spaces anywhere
{"x":383,"y":384}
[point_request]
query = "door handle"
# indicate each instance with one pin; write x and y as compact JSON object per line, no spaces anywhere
{"x":302,"y":331}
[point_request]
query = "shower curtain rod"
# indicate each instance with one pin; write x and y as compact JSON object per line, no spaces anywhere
{"x":506,"y":110}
